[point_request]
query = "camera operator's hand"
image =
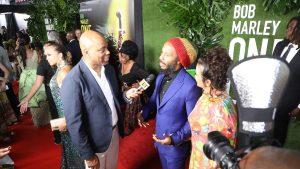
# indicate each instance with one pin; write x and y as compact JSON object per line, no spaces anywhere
{"x":166,"y":141}
{"x":295,"y":113}
{"x":141,"y":120}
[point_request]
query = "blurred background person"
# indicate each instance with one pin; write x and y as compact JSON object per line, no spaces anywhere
{"x":5,"y":107}
{"x":73,"y":47}
{"x":11,"y":96}
{"x":78,"y":33}
{"x":44,"y":74}
{"x":288,"y":50}
{"x":38,"y":104}
{"x":130,"y":75}
{"x":214,"y":111}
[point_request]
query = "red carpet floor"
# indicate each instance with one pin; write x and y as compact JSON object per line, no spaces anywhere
{"x":33,"y":148}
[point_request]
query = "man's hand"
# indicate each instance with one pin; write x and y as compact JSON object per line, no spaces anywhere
{"x":295,"y":113}
{"x":4,"y":151}
{"x":23,"y":105}
{"x":132,"y":93}
{"x":141,"y":120}
{"x":93,"y":162}
{"x":166,"y":141}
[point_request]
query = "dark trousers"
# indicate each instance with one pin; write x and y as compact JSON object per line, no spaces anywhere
{"x":282,"y":120}
{"x":171,"y":162}
{"x":13,"y":100}
{"x":53,"y":111}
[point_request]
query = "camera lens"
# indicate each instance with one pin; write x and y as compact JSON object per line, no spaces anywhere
{"x":219,"y":149}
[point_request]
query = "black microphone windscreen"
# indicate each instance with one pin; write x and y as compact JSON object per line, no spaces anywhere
{"x":150,"y":78}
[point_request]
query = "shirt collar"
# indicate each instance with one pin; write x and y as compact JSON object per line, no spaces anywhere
{"x":294,"y":45}
{"x":94,"y":72}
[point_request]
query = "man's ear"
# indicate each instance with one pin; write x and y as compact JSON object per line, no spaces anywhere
{"x":85,"y":51}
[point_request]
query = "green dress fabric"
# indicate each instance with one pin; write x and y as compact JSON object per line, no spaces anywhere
{"x":70,"y":155}
{"x":39,"y":107}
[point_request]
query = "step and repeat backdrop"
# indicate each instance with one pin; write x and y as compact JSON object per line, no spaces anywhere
{"x":120,"y":19}
{"x":249,"y":30}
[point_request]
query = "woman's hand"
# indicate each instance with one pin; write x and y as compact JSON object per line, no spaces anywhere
{"x":4,"y":151}
{"x":63,"y":125}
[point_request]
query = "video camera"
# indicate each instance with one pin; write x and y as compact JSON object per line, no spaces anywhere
{"x":258,"y":84}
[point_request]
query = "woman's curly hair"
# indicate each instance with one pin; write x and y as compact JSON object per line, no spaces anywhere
{"x":215,"y":65}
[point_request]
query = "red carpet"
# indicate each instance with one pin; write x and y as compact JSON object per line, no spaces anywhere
{"x":33,"y":148}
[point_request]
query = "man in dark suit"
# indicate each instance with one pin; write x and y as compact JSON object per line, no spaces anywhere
{"x":74,"y":48}
{"x":92,"y":112}
{"x":288,"y":50}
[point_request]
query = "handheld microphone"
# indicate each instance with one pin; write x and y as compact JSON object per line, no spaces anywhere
{"x":145,"y":83}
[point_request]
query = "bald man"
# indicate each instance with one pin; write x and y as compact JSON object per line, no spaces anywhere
{"x":271,"y":157}
{"x":92,"y":112}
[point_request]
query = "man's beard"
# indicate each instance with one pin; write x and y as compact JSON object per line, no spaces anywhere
{"x":170,"y":69}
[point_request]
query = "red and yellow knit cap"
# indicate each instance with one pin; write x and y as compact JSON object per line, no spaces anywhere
{"x":185,"y":51}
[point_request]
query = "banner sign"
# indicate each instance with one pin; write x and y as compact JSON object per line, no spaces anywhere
{"x":251,"y":31}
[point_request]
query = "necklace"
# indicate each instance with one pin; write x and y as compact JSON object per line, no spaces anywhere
{"x":61,"y":64}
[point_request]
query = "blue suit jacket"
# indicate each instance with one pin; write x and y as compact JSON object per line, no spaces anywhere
{"x":87,"y":113}
{"x":173,"y":111}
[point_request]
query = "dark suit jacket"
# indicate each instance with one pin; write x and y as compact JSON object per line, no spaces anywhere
{"x":87,"y":113}
{"x":173,"y":111}
{"x":291,"y":96}
{"x":74,"y":48}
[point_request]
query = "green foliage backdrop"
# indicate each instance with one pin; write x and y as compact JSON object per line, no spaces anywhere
{"x":198,"y":20}
{"x":62,"y":14}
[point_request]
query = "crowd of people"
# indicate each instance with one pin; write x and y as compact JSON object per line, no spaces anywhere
{"x":69,"y":79}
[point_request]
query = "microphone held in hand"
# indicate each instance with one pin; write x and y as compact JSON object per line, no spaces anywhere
{"x":145,"y":83}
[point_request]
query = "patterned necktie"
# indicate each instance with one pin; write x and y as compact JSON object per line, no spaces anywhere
{"x":284,"y":56}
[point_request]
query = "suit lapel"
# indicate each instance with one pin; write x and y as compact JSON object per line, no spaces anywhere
{"x":173,"y":88}
{"x":159,"y":81}
{"x":91,"y":80}
{"x":295,"y":58}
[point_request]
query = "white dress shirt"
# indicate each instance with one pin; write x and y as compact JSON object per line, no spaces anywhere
{"x":292,"y":52}
{"x":105,"y":87}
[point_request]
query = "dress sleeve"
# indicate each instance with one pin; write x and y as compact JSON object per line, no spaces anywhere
{"x":229,"y":115}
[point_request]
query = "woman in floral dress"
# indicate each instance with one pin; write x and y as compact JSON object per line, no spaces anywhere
{"x":214,"y":110}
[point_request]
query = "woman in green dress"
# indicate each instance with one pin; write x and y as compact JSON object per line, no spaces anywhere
{"x":58,"y":56}
{"x":38,"y":104}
